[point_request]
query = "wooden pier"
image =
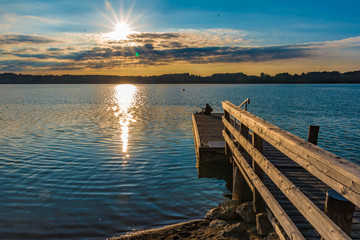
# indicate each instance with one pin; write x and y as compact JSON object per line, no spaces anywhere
{"x":292,"y":180}
{"x":210,"y":146}
{"x":209,"y":142}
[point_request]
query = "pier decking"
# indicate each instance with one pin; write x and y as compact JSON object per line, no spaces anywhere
{"x":209,"y":142}
{"x":288,"y":176}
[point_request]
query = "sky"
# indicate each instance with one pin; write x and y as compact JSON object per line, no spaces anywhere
{"x":189,"y":36}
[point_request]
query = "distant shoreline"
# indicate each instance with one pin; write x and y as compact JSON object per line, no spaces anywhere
{"x":186,"y":78}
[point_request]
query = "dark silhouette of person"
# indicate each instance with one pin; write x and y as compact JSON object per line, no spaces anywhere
{"x":207,"y":110}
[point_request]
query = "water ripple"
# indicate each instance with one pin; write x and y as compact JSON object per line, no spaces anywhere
{"x":92,"y":161}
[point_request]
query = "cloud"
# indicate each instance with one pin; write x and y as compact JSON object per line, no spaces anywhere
{"x":28,"y":39}
{"x":23,"y":65}
{"x":152,"y":49}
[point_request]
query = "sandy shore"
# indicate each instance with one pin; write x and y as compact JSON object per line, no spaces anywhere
{"x":229,"y":220}
{"x":196,"y":229}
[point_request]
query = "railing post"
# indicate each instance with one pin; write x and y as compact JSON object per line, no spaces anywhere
{"x":244,"y":130}
{"x":259,"y":204}
{"x":227,"y":117}
{"x":340,"y":210}
{"x":313,"y":134}
{"x":238,"y":178}
{"x":238,"y":183}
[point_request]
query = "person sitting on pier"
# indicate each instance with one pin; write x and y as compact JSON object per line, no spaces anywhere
{"x":207,"y":110}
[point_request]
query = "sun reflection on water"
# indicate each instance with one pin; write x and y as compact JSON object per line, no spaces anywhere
{"x":124,"y":101}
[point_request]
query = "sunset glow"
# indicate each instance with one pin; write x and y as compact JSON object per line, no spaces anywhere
{"x":123,"y":99}
{"x":113,"y":37}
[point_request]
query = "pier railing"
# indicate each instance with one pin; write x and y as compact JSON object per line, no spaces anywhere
{"x":336,"y":172}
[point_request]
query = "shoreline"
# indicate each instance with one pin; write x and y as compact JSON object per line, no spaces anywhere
{"x":230,"y":220}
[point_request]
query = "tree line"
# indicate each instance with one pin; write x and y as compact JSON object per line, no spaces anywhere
{"x":220,"y":78}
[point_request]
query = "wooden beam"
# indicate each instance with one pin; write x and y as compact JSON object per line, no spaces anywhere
{"x":227,"y":117}
{"x":195,"y":132}
{"x":238,"y":184}
{"x":340,"y":174}
{"x":287,"y":224}
{"x":243,"y":173}
{"x":318,"y":219}
{"x":259,"y":204}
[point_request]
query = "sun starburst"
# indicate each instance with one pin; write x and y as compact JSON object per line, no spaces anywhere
{"x":121,"y":32}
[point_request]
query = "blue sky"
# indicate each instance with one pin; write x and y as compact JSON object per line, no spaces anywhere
{"x":201,"y":37}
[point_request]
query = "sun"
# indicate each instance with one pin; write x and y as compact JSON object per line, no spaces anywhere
{"x":121,"y":32}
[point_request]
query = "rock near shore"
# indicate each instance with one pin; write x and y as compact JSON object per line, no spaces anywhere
{"x":230,"y":220}
{"x":225,"y":211}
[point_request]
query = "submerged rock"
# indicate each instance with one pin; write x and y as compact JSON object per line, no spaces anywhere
{"x":246,"y":211}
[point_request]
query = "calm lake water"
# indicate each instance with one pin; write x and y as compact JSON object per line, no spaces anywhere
{"x":94,"y":161}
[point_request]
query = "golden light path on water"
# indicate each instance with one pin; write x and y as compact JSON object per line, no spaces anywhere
{"x":124,"y":101}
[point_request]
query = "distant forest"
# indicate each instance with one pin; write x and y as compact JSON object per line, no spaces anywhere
{"x":222,"y":78}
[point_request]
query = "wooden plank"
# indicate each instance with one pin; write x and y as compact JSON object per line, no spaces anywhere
{"x":310,"y":211}
{"x":340,"y":174}
{"x":287,"y":224}
{"x":259,"y":204}
{"x":227,"y":117}
{"x":248,"y":181}
{"x":195,"y":132}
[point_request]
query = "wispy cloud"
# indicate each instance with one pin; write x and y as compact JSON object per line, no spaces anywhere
{"x":28,"y":39}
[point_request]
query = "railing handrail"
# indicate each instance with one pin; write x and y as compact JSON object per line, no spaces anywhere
{"x":275,"y":207}
{"x":338,"y":173}
{"x":246,"y":102}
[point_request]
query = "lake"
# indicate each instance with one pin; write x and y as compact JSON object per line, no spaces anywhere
{"x":95,"y":161}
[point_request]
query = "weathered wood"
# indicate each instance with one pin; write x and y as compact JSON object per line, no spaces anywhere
{"x":287,"y":224}
{"x":244,"y":130}
{"x":195,"y":133}
{"x":238,"y":184}
{"x":209,"y":143}
{"x":227,"y":117}
{"x":259,"y":204}
{"x":238,"y":178}
{"x":340,"y":174}
{"x":340,"y":210}
{"x":279,"y":231}
{"x":313,"y":134}
{"x":314,"y":189}
{"x":310,"y":211}
{"x":248,"y":181}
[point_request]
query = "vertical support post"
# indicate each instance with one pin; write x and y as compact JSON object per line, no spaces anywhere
{"x":313,"y":134}
{"x":238,"y":183}
{"x":238,"y":178}
{"x":259,"y":204}
{"x":227,"y":117}
{"x":244,"y":130}
{"x":340,"y":210}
